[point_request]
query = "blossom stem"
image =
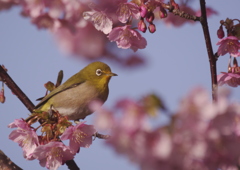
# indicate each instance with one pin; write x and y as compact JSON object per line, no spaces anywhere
{"x":44,"y":123}
{"x":211,"y":56}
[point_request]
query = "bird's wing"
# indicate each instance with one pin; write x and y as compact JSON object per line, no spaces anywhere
{"x":54,"y":92}
{"x":65,"y":86}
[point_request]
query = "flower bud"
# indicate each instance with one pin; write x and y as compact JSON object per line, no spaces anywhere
{"x":2,"y":97}
{"x":220,"y":32}
{"x":143,"y":11}
{"x":150,"y":17}
{"x":235,"y":63}
{"x":142,"y":26}
{"x":162,"y":13}
{"x":151,"y":28}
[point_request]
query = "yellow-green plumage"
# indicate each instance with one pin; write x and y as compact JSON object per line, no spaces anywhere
{"x":72,"y":98}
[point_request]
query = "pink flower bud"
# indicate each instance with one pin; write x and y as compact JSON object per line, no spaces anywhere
{"x":151,"y":28}
{"x":143,"y":11}
{"x":220,"y":32}
{"x":150,"y":17}
{"x":162,"y":13}
{"x":142,"y":26}
{"x":2,"y":97}
{"x":235,"y":63}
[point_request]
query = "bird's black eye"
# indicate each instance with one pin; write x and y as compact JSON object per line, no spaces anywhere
{"x":98,"y":72}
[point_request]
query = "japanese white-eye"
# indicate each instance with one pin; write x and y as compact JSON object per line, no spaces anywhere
{"x":72,"y":98}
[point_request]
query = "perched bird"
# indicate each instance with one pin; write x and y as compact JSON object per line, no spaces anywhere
{"x":72,"y":98}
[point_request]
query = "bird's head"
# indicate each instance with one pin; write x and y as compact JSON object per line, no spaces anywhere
{"x":98,"y":73}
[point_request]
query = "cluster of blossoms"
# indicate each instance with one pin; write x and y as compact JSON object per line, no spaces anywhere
{"x":201,"y":135}
{"x":48,"y":147}
{"x":120,"y":25}
{"x":229,"y":45}
{"x":68,"y":21}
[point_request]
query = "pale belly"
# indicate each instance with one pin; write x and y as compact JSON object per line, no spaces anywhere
{"x":74,"y":103}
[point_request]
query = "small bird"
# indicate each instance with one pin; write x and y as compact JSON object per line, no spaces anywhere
{"x":72,"y":98}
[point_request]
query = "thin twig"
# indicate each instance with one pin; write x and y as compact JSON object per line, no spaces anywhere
{"x":181,"y":13}
{"x":27,"y":102}
{"x":101,"y":136}
{"x":211,"y":56}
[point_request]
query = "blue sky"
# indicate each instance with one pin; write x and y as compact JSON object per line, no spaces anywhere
{"x":176,"y":62}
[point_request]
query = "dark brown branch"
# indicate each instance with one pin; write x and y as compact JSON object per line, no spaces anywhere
{"x":72,"y":165}
{"x":27,"y":102}
{"x":211,"y":56}
{"x":15,"y":89}
{"x":6,"y":163}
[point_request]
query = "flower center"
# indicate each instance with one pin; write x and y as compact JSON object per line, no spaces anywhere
{"x":56,"y":152}
{"x":79,"y":136}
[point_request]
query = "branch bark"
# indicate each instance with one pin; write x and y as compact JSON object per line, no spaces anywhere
{"x":211,"y":56}
{"x":101,"y":136}
{"x":15,"y":89}
{"x":6,"y":163}
{"x":181,"y":13}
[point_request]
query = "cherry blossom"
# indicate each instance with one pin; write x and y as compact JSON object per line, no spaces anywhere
{"x":25,"y":136}
{"x":126,"y":37}
{"x":79,"y":136}
{"x":200,"y":135}
{"x":33,"y":8}
{"x":231,"y":79}
{"x":53,"y":155}
{"x":127,"y":10}
{"x":229,"y":45}
{"x":100,"y":20}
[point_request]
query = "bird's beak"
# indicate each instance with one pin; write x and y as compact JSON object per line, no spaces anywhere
{"x":111,"y":74}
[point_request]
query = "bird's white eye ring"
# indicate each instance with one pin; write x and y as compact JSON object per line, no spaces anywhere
{"x":98,"y":72}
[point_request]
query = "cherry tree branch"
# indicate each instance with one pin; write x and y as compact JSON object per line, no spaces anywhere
{"x":101,"y":136}
{"x":211,"y":56}
{"x":27,"y":102}
{"x":203,"y":20}
{"x":6,"y":163}
{"x":15,"y":89}
{"x":180,"y":13}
